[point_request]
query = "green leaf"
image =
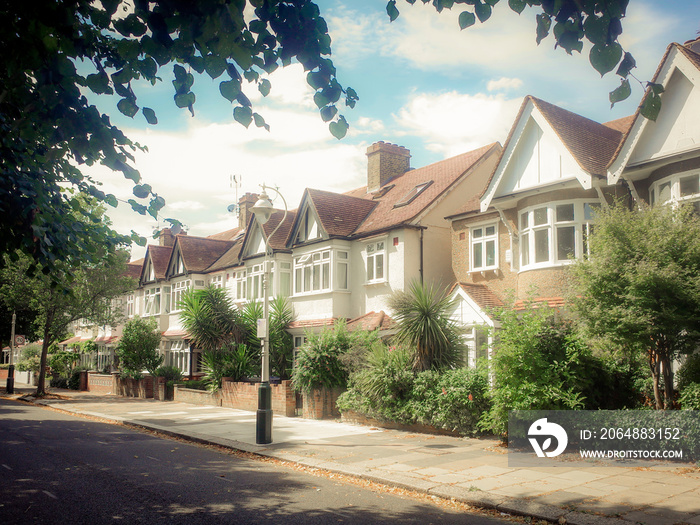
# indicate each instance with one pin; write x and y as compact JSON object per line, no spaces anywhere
{"x":651,"y":106}
{"x":328,"y":113}
{"x":317,"y":80}
{"x":621,"y":93}
{"x":243,"y":114}
{"x":393,"y":13}
{"x":628,"y":64}
{"x":657,"y":89}
{"x":137,"y":207}
{"x":596,"y":29}
{"x":150,"y":116}
{"x":605,"y":58}
{"x":466,"y":19}
{"x":264,"y":87}
{"x":111,"y":200}
{"x":127,"y":107}
{"x":98,"y":83}
{"x":544,"y":22}
{"x":517,"y":5}
{"x":260,"y":122}
{"x":214,"y":65}
{"x":141,"y":191}
{"x":185,"y":100}
{"x":242,"y":56}
{"x":483,"y":12}
{"x":230,"y":89}
{"x":138,"y":239}
{"x":321,"y":100}
{"x":339,"y":128}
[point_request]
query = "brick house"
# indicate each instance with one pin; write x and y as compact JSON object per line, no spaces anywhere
{"x":515,"y":240}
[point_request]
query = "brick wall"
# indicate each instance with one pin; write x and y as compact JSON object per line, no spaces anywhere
{"x":141,"y":388}
{"x":102,"y":383}
{"x":196,"y":397}
{"x":3,"y":373}
{"x":355,"y":418}
{"x":321,"y":403}
{"x":244,"y":396}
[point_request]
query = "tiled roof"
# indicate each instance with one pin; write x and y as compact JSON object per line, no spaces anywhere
{"x":590,"y":143}
{"x":228,"y":259}
{"x":551,"y":302}
{"x":340,"y":215}
{"x":199,"y":253}
{"x":160,"y":256}
{"x":134,"y":268}
{"x":372,"y":321}
{"x":481,"y":295}
{"x":313,"y":323}
{"x":172,"y":332}
{"x":72,"y":340}
{"x":279,"y":240}
{"x":690,"y":54}
{"x":228,"y":235}
{"x":442,"y":174}
{"x":622,"y":124}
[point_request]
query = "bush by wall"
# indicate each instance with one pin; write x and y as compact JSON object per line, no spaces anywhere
{"x":690,"y":397}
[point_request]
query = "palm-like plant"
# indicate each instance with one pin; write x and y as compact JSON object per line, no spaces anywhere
{"x":211,"y":319}
{"x":281,"y":341}
{"x":424,"y":323}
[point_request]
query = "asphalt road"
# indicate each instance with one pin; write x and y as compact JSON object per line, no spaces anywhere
{"x":58,"y":468}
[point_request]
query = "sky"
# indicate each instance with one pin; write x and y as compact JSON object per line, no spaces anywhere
{"x":422,"y":83}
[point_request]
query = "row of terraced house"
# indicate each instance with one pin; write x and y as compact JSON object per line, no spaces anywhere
{"x":495,"y":222}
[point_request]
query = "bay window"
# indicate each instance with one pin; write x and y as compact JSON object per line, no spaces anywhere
{"x":678,"y":189}
{"x":179,"y":289}
{"x":321,"y":271}
{"x":555,"y":233}
{"x":151,"y":305}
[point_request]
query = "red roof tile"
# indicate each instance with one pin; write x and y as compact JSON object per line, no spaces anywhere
{"x":160,"y":256}
{"x":622,"y":124}
{"x":551,"y":302}
{"x":340,"y":215}
{"x":228,"y":235}
{"x":481,"y":295}
{"x":313,"y":323}
{"x":372,"y":321}
{"x":199,"y":253}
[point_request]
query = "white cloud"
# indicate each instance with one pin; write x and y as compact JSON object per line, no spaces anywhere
{"x":453,"y":123}
{"x":503,"y":84}
{"x":289,"y":88}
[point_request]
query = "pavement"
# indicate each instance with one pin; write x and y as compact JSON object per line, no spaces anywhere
{"x":470,"y":470}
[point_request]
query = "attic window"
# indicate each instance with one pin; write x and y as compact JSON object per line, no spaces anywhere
{"x":382,"y":191}
{"x":413,"y":194}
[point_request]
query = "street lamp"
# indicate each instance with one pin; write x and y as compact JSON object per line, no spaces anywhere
{"x":263,"y":422}
{"x":10,"y":386}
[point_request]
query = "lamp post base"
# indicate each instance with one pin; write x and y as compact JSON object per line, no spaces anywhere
{"x":10,"y":388}
{"x":263,"y":418}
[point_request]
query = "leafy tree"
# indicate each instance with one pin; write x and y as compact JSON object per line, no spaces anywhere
{"x":138,"y":347}
{"x":570,"y":22}
{"x":57,"y":56}
{"x":640,"y":287}
{"x":281,"y":341}
{"x":424,"y":323}
{"x":71,"y":293}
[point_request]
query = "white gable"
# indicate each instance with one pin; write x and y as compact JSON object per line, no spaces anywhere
{"x":677,"y":128}
{"x":308,"y":227}
{"x":534,"y":157}
{"x":467,"y":312}
{"x":255,"y":243}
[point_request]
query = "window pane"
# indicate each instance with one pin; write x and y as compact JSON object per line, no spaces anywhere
{"x":317,"y":277}
{"x":477,"y":233}
{"x":689,"y":186}
{"x":490,"y":253}
{"x":370,"y":248}
{"x":665,"y":192}
{"x":525,"y":248}
{"x":326,"y":274}
{"x":565,"y":212}
{"x":380,"y":246}
{"x":285,"y":284}
{"x":541,"y":246}
{"x":380,"y":266}
{"x":477,"y":255}
{"x":342,"y":255}
{"x":589,"y":210}
{"x":370,"y":268}
{"x":524,"y":220}
{"x":307,"y":278}
{"x":566,"y":242}
{"x":297,"y":278}
{"x":490,"y":230}
{"x":540,"y":216}
{"x":342,"y":270}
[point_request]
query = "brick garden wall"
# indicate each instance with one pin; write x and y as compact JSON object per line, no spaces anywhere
{"x":244,"y":396}
{"x":102,"y":383}
{"x":196,"y":397}
{"x":321,"y":404}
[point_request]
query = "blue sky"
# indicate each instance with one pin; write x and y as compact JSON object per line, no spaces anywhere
{"x":422,"y":82}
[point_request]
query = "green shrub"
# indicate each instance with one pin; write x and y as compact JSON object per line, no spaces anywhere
{"x":170,"y":373}
{"x":31,"y":350}
{"x":690,"y":397}
{"x":29,"y":364}
{"x":689,"y":372}
{"x":320,"y":359}
{"x":237,"y":363}
{"x":194,"y":384}
{"x":74,"y":379}
{"x":58,"y":382}
{"x":62,"y":362}
{"x":4,"y":366}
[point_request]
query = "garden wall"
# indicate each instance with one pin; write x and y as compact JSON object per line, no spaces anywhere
{"x":3,"y":373}
{"x":196,"y":397}
{"x":244,"y":396}
{"x":355,"y":418}
{"x":321,"y":403}
{"x":102,"y":383}
{"x":141,"y":388}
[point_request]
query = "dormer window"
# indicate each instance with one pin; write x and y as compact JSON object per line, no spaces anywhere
{"x":150,"y":272}
{"x":413,"y":194}
{"x":179,"y":264}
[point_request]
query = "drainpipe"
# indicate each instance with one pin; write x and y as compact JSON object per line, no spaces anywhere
{"x":420,"y":267}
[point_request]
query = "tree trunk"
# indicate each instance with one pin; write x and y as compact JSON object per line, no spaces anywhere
{"x":41,"y":383}
{"x":656,"y":376}
{"x":667,"y":371}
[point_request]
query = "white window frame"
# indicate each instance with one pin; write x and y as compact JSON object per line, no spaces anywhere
{"x":217,"y":281}
{"x":152,"y":301}
{"x":178,"y":289}
{"x":479,"y":238}
{"x":313,"y":272}
{"x":675,"y":195}
{"x":240,"y":284}
{"x":130,"y":303}
{"x":553,"y":232}
{"x":375,"y":252}
{"x":309,"y":228}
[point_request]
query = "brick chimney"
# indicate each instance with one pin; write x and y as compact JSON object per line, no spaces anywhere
{"x":166,"y":238}
{"x":245,"y":204}
{"x":384,"y":162}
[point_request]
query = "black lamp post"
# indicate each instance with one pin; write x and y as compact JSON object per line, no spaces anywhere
{"x":263,"y":423}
